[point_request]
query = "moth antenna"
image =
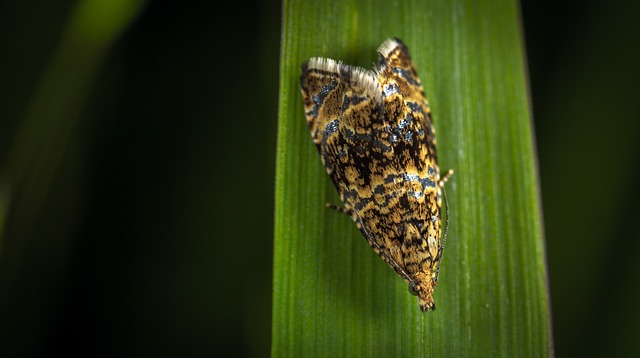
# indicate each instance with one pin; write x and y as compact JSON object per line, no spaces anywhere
{"x":446,"y":225}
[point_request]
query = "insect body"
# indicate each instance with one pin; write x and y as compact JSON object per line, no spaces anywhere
{"x":375,"y":136}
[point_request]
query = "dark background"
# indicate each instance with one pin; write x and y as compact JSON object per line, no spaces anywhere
{"x":155,"y":236}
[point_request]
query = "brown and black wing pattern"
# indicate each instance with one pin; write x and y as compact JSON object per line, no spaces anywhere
{"x":374,"y":133}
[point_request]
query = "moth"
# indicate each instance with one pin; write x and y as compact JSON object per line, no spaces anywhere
{"x":374,"y":133}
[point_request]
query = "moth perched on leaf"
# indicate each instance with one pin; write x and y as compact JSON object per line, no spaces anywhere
{"x":375,"y":136}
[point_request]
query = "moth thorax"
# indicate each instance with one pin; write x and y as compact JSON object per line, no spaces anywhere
{"x":429,"y":244}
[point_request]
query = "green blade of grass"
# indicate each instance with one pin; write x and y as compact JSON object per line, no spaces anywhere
{"x":332,"y":295}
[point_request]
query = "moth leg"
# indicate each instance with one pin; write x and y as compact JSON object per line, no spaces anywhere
{"x":341,"y":209}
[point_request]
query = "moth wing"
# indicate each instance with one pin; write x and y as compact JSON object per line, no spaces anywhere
{"x":342,"y":105}
{"x":399,"y":79}
{"x":415,"y":158}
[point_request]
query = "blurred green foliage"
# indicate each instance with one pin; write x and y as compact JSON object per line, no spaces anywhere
{"x":585,"y":82}
{"x":141,"y":222}
{"x":168,"y":165}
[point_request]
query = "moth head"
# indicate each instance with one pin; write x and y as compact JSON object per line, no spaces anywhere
{"x":424,"y":290}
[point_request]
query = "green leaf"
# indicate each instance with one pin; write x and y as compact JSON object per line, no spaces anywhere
{"x":333,"y":296}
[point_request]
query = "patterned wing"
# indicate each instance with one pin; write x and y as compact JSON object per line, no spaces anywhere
{"x":340,"y":103}
{"x":417,"y":245}
{"x":407,"y":107}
